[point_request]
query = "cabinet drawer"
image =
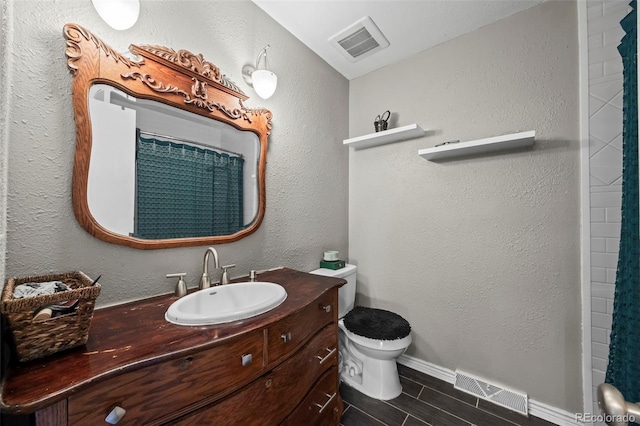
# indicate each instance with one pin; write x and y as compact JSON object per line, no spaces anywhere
{"x":269,"y":399}
{"x":164,"y":388}
{"x":322,"y":406}
{"x":287,"y":335}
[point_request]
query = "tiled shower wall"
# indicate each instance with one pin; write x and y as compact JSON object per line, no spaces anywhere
{"x":605,"y":170}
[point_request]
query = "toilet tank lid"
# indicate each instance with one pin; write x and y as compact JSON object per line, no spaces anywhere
{"x":338,"y":273}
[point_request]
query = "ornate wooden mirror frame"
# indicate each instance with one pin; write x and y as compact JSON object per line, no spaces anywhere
{"x":179,"y":79}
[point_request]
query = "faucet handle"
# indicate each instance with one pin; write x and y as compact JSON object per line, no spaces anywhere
{"x":179,"y":274}
{"x":225,"y":275}
{"x":181,"y":286}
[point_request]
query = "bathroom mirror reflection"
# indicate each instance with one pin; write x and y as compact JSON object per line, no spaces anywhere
{"x":167,"y":154}
{"x":159,"y":172}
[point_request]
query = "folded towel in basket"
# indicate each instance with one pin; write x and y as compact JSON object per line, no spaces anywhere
{"x":38,"y":289}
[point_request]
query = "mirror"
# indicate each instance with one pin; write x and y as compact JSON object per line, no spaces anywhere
{"x":158,"y":172}
{"x":167,"y":155}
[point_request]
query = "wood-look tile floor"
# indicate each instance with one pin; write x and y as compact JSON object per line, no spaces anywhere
{"x":427,"y":401}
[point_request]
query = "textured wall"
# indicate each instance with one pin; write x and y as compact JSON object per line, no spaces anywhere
{"x":605,"y":171}
{"x":481,"y":254}
{"x":5,"y":42}
{"x":307,"y":165}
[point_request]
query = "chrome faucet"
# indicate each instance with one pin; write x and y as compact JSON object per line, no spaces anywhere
{"x":205,"y":281}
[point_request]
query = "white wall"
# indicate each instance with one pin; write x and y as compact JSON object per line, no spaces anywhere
{"x":5,"y":90}
{"x":306,"y":210}
{"x":605,"y":171}
{"x":110,"y":185}
{"x":481,"y":255}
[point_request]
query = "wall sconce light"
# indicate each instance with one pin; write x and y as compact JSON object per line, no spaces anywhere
{"x":118,"y":14}
{"x":263,"y":81}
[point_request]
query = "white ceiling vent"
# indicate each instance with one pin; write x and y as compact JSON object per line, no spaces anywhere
{"x":359,"y":40}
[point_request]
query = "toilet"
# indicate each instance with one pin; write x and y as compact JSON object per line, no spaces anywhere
{"x":370,"y":341}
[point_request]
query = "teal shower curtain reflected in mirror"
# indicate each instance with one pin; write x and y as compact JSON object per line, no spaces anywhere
{"x":623,"y":370}
{"x":186,"y":191}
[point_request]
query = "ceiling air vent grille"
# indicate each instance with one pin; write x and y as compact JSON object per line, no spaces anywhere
{"x":358,"y":43}
{"x":360,"y":40}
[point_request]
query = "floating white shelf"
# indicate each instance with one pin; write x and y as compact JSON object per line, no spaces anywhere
{"x":514,"y":140}
{"x":386,"y":136}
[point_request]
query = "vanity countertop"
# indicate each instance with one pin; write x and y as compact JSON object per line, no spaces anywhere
{"x":136,"y":334}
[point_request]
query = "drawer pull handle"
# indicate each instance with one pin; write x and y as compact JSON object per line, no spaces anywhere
{"x":322,"y":407}
{"x":115,"y":415}
{"x":331,"y":352}
{"x":286,"y":337}
{"x":246,"y":359}
{"x":326,"y":308}
{"x":186,"y":363}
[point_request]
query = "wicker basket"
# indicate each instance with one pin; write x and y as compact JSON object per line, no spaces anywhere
{"x":37,"y":338}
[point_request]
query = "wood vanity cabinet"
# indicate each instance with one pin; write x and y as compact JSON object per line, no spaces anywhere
{"x":279,"y":368}
{"x":268,"y":400}
{"x":164,"y":388}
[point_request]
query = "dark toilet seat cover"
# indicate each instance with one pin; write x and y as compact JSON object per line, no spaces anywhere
{"x":376,"y":324}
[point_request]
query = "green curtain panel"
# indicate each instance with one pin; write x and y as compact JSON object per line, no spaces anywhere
{"x":623,"y":370}
{"x":186,"y":191}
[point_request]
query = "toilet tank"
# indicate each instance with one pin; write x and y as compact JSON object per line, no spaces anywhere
{"x":347,"y":293}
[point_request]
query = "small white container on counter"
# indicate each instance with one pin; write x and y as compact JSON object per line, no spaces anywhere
{"x":331,"y":255}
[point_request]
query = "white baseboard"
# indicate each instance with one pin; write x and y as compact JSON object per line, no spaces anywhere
{"x":425,"y":367}
{"x":536,"y":408}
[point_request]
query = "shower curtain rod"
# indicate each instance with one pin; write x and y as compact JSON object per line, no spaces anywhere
{"x":188,"y":141}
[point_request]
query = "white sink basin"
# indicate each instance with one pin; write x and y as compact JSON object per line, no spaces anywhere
{"x":226,"y":303}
